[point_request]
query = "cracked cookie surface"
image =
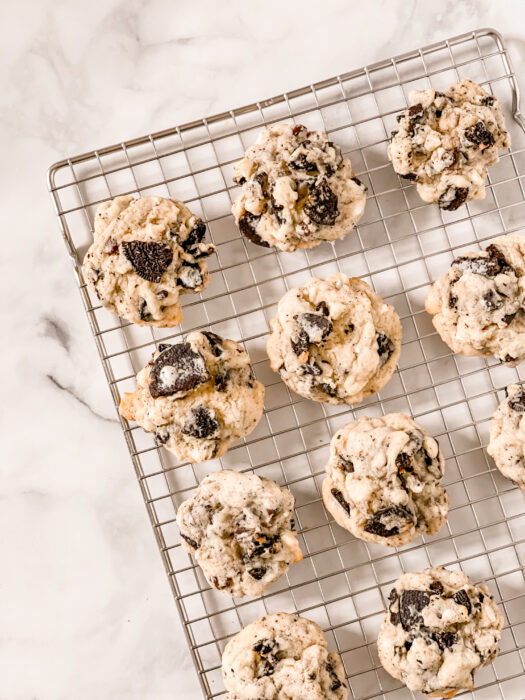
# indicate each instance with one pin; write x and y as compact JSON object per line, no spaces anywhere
{"x":296,"y":189}
{"x":445,"y":141}
{"x":438,"y":631}
{"x":197,"y":396}
{"x":282,"y":656}
{"x":239,"y":528}
{"x":334,"y":340}
{"x":383,"y":480}
{"x":507,"y":435}
{"x":478,"y":306}
{"x":146,"y":253}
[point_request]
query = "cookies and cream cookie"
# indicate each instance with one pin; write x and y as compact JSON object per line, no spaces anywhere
{"x":334,"y":340}
{"x":445,"y":141}
{"x":239,"y":528}
{"x":296,"y":189}
{"x":282,"y":656}
{"x":197,"y":396}
{"x":507,"y":435}
{"x":439,"y":630}
{"x":383,"y":480}
{"x":146,"y":253}
{"x":478,"y":305}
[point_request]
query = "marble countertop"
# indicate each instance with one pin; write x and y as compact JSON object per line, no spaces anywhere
{"x":86,"y":611}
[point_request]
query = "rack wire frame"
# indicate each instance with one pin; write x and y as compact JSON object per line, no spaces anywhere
{"x":400,"y":246}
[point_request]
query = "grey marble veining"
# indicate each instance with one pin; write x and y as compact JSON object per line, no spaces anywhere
{"x":85,"y":609}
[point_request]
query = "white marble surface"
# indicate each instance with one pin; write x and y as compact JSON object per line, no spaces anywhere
{"x":85,"y":608}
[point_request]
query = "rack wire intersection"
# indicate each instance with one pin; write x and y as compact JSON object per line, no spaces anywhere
{"x":400,"y":246}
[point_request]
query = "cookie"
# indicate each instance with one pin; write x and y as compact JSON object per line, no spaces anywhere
{"x":334,"y":340}
{"x":146,"y":253}
{"x":507,"y":435}
{"x":438,"y":631}
{"x":478,"y":305}
{"x":445,"y":141}
{"x":383,"y":480}
{"x":197,"y":396}
{"x":281,"y":656}
{"x":296,"y":189}
{"x":239,"y":528}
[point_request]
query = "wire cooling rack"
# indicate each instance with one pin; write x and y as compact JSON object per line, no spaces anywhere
{"x":399,"y":247}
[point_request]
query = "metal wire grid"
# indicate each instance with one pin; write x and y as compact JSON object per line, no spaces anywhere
{"x":399,"y":247}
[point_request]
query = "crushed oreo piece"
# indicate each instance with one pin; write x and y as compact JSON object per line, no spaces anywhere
{"x":190,"y":276}
{"x":144,"y":314}
{"x":389,"y":521}
{"x":409,"y":176}
{"x":162,"y":434}
{"x":194,"y":237}
{"x":479,"y":135}
{"x":215,"y":342}
{"x":335,"y":683}
{"x":444,"y":640}
{"x":258,"y":572}
{"x":517,"y":402}
{"x":322,"y":306}
{"x":452,"y":301}
{"x":452,"y":198}
{"x":490,"y":266}
{"x":221,"y":379}
{"x":111,"y":246}
{"x":321,"y":204}
{"x":301,"y":343}
{"x":179,"y":368}
{"x":461,"y":598}
{"x":247,"y":225}
{"x":328,"y":389}
{"x":341,"y":500}
{"x":191,"y":542}
{"x":404,"y":462}
{"x":203,"y":423}
{"x":411,"y":603}
{"x":316,"y":327}
{"x":415,"y":110}
{"x":487,"y":101}
{"x":347,"y":464}
{"x":491,"y":301}
{"x":268,"y":650}
{"x":312,"y":370}
{"x":509,"y":318}
{"x":149,"y":259}
{"x":385,"y":347}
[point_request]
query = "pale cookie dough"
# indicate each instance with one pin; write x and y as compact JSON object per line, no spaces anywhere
{"x":239,"y":528}
{"x":478,"y":305}
{"x":507,"y":435}
{"x":197,"y":396}
{"x":438,"y":631}
{"x":296,"y":190}
{"x":334,"y":340}
{"x":282,"y":657}
{"x":383,"y":480}
{"x":146,"y":253}
{"x":446,"y":140}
